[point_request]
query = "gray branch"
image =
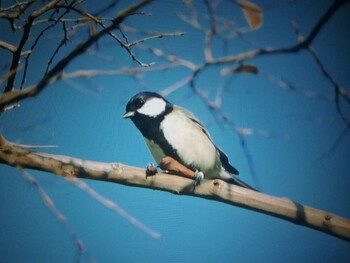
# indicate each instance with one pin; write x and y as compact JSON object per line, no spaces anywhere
{"x":217,"y":190}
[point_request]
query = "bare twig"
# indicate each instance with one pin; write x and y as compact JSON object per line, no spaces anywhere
{"x":89,"y":73}
{"x":59,"y":216}
{"x":39,"y":37}
{"x":14,"y":11}
{"x":161,"y":35}
{"x":127,"y":46}
{"x":8,"y":46}
{"x":114,"y":207}
{"x":33,"y":147}
{"x":339,"y":91}
{"x":26,"y":32}
{"x":335,"y":145}
{"x":174,"y":59}
{"x":14,"y":95}
{"x":60,"y":45}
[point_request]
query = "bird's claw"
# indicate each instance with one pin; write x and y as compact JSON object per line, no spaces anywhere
{"x":199,"y":176}
{"x":151,"y":170}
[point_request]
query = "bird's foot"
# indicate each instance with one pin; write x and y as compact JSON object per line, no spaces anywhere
{"x":151,"y":170}
{"x":199,"y":176}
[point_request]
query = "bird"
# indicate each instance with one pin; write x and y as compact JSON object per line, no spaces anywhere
{"x":170,"y":130}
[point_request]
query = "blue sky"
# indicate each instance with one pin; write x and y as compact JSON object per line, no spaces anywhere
{"x":293,"y":129}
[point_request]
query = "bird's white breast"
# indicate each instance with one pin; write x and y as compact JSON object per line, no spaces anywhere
{"x":193,"y":146}
{"x":157,"y":152}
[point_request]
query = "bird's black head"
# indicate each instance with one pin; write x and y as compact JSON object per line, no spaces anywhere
{"x":147,"y":104}
{"x":147,"y":110}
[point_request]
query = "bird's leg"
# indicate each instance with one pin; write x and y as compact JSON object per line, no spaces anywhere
{"x":199,"y":177}
{"x":151,"y":170}
{"x":171,"y":166}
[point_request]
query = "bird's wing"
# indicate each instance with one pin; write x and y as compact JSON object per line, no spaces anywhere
{"x":223,"y":157}
{"x":193,"y":118}
{"x":224,"y":161}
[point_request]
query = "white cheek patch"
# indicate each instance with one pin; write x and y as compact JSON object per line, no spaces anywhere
{"x":153,"y":107}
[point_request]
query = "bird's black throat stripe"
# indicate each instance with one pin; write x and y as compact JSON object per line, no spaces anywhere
{"x":150,"y":129}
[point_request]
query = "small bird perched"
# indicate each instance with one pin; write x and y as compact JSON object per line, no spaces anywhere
{"x":171,"y":131}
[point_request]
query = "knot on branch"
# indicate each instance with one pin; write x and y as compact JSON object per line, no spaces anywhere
{"x":327,"y":220}
{"x":69,"y":171}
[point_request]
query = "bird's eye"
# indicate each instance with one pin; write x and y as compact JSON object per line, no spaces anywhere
{"x":139,"y":102}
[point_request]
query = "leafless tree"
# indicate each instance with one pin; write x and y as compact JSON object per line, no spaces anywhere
{"x":33,"y":21}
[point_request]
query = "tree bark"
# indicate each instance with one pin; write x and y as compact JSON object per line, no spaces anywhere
{"x":217,"y":190}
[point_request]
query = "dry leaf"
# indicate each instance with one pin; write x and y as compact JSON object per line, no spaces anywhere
{"x":246,"y":68}
{"x":252,"y":13}
{"x":240,"y":69}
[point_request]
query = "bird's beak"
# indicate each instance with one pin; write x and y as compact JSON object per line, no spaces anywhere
{"x":128,"y":114}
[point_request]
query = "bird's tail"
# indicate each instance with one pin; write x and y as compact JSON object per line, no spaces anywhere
{"x":236,"y":181}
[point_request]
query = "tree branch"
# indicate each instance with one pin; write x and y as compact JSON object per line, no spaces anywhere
{"x":8,"y":46}
{"x":49,"y":203}
{"x":12,"y":96}
{"x":217,"y":190}
{"x":26,"y":33}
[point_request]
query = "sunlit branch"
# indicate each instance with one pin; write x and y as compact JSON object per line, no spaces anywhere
{"x":8,"y":46}
{"x":89,"y":73}
{"x":174,"y":59}
{"x":216,"y":190}
{"x":179,"y":84}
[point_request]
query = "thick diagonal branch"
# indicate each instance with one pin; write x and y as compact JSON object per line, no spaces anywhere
{"x":217,"y":190}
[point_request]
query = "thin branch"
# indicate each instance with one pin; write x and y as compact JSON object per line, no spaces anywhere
{"x":213,"y":23}
{"x":26,"y":32}
{"x":335,"y":145}
{"x":32,"y":147}
{"x":114,"y":207}
{"x":15,"y":11}
{"x":39,"y":37}
{"x":60,"y":45}
{"x":161,"y":35}
{"x":8,"y":46}
{"x":174,"y":59}
{"x":338,"y":90}
{"x":216,"y":190}
{"x":106,"y":8}
{"x":54,"y":210}
{"x":89,"y":73}
{"x":15,"y":95}
{"x":321,"y":22}
{"x":303,"y":44}
{"x":127,"y":46}
{"x":179,"y":84}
